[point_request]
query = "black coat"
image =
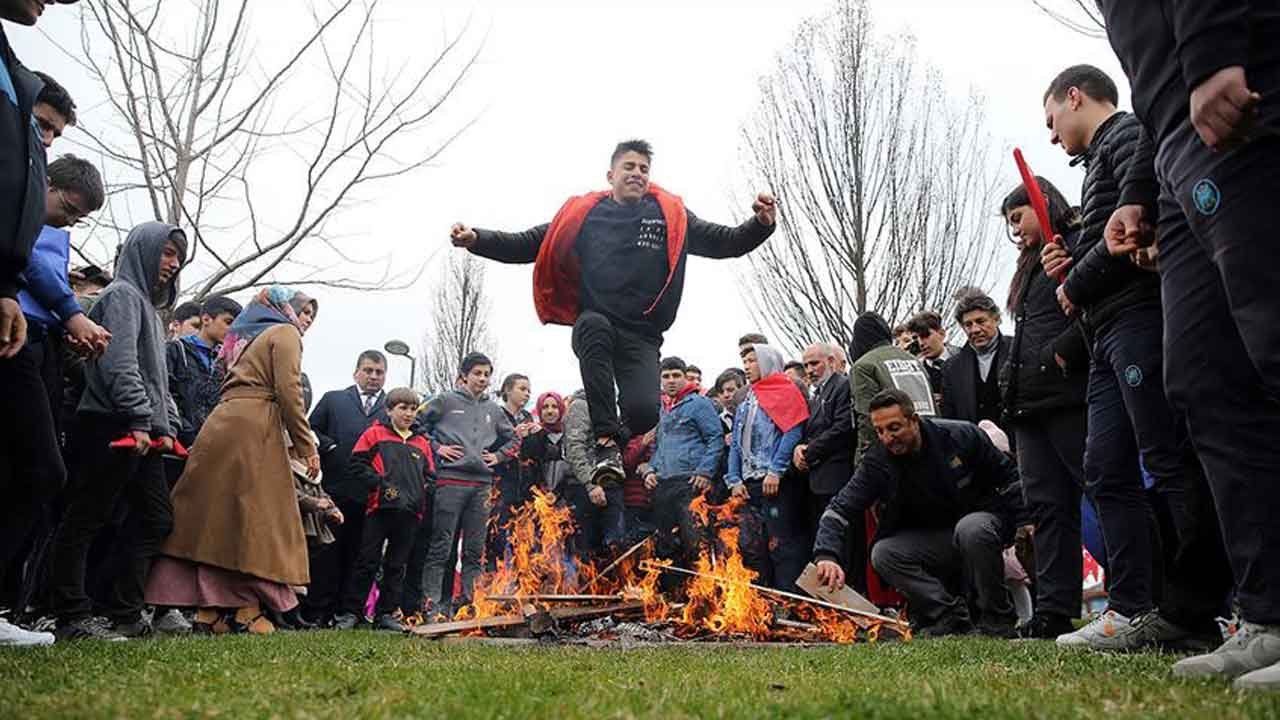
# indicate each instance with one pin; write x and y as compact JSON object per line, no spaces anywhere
{"x":960,"y":382}
{"x":1101,"y":284}
{"x":23,"y":182}
{"x":1031,"y":381}
{"x":339,"y":421}
{"x":979,"y":478}
{"x":829,"y":437}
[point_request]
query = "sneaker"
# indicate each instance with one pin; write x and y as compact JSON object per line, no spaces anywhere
{"x":1268,"y":678}
{"x":946,"y":627}
{"x":1110,"y":631}
{"x":388,"y":623}
{"x":345,"y":621}
{"x":172,"y":623}
{"x":139,"y":628}
{"x":1252,"y":648}
{"x":999,"y":628}
{"x":1045,"y":627}
{"x":1155,"y":631}
{"x":13,"y":636}
{"x":608,"y":468}
{"x":89,"y":628}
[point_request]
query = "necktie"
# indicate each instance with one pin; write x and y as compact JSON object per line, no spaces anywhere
{"x":368,"y":404}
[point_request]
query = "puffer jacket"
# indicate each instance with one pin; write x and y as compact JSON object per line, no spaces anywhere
{"x":1031,"y":381}
{"x":1099,"y":283}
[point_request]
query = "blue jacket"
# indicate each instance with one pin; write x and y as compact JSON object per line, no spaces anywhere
{"x":771,"y":449}
{"x":690,"y":440}
{"x":47,"y":298}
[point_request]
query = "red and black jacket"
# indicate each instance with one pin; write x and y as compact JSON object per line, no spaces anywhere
{"x":398,"y":473}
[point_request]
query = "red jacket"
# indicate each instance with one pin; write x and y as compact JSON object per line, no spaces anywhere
{"x":397,"y":472}
{"x":556,"y":272}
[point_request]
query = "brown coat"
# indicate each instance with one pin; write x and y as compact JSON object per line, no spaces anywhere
{"x":234,"y":506}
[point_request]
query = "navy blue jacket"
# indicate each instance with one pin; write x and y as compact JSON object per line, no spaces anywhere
{"x":339,"y":421}
{"x":23,"y":183}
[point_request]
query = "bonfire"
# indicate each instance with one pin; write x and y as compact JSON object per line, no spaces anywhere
{"x":540,"y":589}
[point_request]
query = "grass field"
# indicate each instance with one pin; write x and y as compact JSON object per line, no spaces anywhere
{"x":363,"y":675}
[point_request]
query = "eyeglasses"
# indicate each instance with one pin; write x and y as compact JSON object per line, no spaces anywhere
{"x":75,"y":216}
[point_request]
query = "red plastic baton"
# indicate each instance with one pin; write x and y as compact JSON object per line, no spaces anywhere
{"x":1038,"y":204}
{"x":128,"y":443}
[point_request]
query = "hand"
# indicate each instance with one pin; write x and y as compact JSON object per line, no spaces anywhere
{"x":166,"y":444}
{"x":651,"y":436}
{"x":325,"y":504}
{"x":313,"y":467}
{"x":336,"y":516}
{"x":597,"y":496}
{"x":141,"y":442}
{"x":797,"y":457}
{"x":1147,"y":258}
{"x":765,"y":208}
{"x":771,"y":484}
{"x":1061,"y":361}
{"x":699,"y":483}
{"x":1127,"y":231}
{"x":830,"y":574}
{"x":524,"y":429}
{"x":1224,"y":109}
{"x":1064,"y":302}
{"x":462,"y":236}
{"x":452,"y":453}
{"x":650,"y":481}
{"x":740,"y":491}
{"x":13,"y":328}
{"x":1054,"y":258}
{"x":87,"y":336}
{"x":489,"y":458}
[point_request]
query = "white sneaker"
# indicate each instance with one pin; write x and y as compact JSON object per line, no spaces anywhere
{"x":1109,"y":631}
{"x":172,"y":623}
{"x":1252,"y":648}
{"x":13,"y":636}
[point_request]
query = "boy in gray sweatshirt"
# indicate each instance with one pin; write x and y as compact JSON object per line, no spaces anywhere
{"x":470,"y":435}
{"x":126,"y":398}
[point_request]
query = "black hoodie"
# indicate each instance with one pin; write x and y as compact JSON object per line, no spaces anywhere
{"x":130,"y":382}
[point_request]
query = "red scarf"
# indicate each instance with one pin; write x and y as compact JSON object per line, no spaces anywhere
{"x":557,"y":272}
{"x":781,"y":400}
{"x":669,"y":402}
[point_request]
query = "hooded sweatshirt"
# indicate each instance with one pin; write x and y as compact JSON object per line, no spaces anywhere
{"x":759,"y":446}
{"x":476,"y":425}
{"x":130,"y":382}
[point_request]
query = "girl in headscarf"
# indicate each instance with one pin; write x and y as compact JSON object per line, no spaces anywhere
{"x":238,"y":544}
{"x":542,"y":450}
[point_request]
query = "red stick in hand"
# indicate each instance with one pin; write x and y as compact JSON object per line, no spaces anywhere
{"x":1038,"y":204}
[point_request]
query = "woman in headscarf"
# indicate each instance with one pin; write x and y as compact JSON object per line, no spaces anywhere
{"x":542,"y":452}
{"x":238,"y":543}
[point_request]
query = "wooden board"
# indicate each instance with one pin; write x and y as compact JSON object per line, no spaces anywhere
{"x":844,"y":597}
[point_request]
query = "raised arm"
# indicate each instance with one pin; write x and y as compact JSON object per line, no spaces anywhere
{"x":708,"y":239}
{"x":516,"y":248}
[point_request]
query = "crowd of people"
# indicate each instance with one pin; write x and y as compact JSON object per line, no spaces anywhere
{"x":178,"y":479}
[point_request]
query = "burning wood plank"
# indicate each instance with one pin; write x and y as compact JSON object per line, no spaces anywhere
{"x":554,"y":598}
{"x":634,"y":549}
{"x":846,"y":596}
{"x":569,"y":614}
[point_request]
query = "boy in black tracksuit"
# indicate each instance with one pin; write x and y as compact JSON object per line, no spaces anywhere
{"x":1206,"y":85}
{"x":395,"y":463}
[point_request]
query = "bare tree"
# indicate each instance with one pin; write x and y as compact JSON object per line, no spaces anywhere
{"x":459,"y":323}
{"x":884,"y":183}
{"x":258,"y":150}
{"x":1081,"y":16}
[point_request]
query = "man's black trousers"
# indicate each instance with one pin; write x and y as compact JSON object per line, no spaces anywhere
{"x":609,"y":356}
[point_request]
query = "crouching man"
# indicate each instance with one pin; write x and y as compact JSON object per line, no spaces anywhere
{"x":949,"y":504}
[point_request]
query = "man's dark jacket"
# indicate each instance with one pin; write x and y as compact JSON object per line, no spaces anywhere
{"x":195,"y":387}
{"x":339,"y":421}
{"x":1101,"y":284}
{"x":961,"y":383}
{"x":23,"y":183}
{"x":979,"y":477}
{"x":829,"y":436}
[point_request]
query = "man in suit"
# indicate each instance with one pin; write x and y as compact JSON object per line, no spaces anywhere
{"x":971,"y":378}
{"x":339,"y":419}
{"x":826,"y":452}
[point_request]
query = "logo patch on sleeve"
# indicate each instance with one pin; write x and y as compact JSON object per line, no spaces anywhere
{"x":1206,"y":197}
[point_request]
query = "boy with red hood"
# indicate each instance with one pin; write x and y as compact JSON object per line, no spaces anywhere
{"x":766,"y":429}
{"x":687,"y":453}
{"x":611,"y":264}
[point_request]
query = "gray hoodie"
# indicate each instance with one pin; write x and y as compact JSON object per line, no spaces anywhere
{"x":477,"y":425}
{"x":130,"y":382}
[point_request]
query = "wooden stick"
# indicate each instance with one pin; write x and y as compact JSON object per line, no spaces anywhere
{"x":554,"y":598}
{"x":790,"y":596}
{"x":448,"y":628}
{"x":623,"y":556}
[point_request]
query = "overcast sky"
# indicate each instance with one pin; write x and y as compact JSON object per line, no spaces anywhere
{"x":560,"y":83}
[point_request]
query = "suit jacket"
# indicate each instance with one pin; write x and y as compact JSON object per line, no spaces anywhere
{"x":960,"y":382}
{"x":829,"y":436}
{"x":339,"y":420}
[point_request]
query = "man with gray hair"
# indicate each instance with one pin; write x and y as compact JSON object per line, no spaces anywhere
{"x":971,"y":378}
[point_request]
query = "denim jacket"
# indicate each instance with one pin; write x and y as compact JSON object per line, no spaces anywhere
{"x":771,"y":449}
{"x":690,"y":440}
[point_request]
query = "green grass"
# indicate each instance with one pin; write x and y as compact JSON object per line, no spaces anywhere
{"x":363,"y":675}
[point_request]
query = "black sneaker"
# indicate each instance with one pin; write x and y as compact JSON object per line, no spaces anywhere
{"x":389,"y":623}
{"x":946,"y":627}
{"x":345,"y":621}
{"x":138,"y":628}
{"x":999,"y":628}
{"x":90,"y":628}
{"x":1156,"y":631}
{"x":608,"y":469}
{"x":1045,"y":627}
